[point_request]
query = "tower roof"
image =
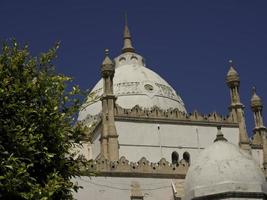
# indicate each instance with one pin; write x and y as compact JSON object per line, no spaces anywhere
{"x":232,"y":75}
{"x":107,"y":60}
{"x":255,"y":99}
{"x":232,"y":71}
{"x":107,"y":67}
{"x":127,"y":39}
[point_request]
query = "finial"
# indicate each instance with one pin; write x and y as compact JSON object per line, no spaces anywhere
{"x":107,"y":60}
{"x":232,"y":71}
{"x":106,"y":52}
{"x":126,"y":19}
{"x":253,"y":90}
{"x":231,"y":63}
{"x":219,"y":136}
{"x":255,"y":99}
{"x":127,"y":47}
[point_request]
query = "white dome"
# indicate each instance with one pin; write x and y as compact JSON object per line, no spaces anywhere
{"x":222,"y":168}
{"x":134,"y":84}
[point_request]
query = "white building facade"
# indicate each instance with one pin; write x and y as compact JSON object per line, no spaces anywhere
{"x":143,"y":141}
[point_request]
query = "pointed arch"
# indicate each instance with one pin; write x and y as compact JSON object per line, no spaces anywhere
{"x":175,"y":157}
{"x":186,"y":157}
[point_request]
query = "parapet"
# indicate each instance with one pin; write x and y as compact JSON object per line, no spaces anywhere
{"x":171,"y":115}
{"x":142,"y":168}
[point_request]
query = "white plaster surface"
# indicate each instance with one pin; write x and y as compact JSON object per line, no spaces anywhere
{"x":138,"y":139}
{"x":223,"y":167}
{"x":257,"y":155}
{"x":96,"y":147}
{"x":118,"y":188}
{"x":219,"y":168}
{"x":130,"y":80}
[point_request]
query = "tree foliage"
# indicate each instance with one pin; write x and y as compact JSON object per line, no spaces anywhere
{"x":37,"y":131}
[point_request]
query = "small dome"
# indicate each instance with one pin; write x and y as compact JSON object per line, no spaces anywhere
{"x":232,"y":77}
{"x":134,"y":84}
{"x":232,"y":72}
{"x":222,"y":168}
{"x":255,"y":100}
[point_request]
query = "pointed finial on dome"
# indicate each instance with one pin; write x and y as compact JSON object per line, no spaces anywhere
{"x":108,"y":66}
{"x":232,"y":77}
{"x":107,"y":60}
{"x":126,"y":19}
{"x":127,"y":47}
{"x":106,"y":52}
{"x":219,"y":136}
{"x":255,"y":99}
{"x":253,"y":90}
{"x":232,"y":71}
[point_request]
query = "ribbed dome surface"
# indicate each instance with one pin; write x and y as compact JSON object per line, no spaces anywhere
{"x":134,"y":84}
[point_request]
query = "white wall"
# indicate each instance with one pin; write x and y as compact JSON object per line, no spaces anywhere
{"x":257,"y":155}
{"x":138,"y":139}
{"x":116,"y":188}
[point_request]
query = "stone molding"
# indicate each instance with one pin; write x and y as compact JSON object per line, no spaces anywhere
{"x":233,"y":194}
{"x":142,"y":168}
{"x":171,"y":114}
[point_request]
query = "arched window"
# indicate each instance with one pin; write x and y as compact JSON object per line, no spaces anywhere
{"x":186,"y":157}
{"x":175,"y":157}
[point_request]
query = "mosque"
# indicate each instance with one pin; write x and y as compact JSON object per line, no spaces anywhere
{"x":144,"y":145}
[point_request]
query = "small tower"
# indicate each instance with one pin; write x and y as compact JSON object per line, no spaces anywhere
{"x":236,"y":108}
{"x":260,"y":131}
{"x":109,"y":137}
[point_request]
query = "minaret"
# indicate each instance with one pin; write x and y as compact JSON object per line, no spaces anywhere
{"x":237,"y":108}
{"x":127,"y":39}
{"x":256,"y":106}
{"x":109,"y":137}
{"x":260,"y":131}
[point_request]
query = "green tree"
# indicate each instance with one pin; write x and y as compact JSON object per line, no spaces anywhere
{"x":37,"y":131}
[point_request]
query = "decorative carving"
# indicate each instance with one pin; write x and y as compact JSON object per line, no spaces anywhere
{"x":126,"y":88}
{"x":178,"y":189}
{"x":142,"y":168}
{"x":166,"y":91}
{"x":136,"y":192}
{"x":91,"y":123}
{"x":172,"y":114}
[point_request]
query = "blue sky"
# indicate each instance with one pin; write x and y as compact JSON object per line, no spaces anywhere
{"x":188,"y":42}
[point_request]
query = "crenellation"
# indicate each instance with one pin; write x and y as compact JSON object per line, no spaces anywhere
{"x":142,"y":168}
{"x":172,"y":114}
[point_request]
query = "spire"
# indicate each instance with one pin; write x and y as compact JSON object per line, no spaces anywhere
{"x":253,"y":90}
{"x":219,"y":136}
{"x":127,"y":47}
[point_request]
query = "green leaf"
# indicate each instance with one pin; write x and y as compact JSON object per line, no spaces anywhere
{"x":36,"y":122}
